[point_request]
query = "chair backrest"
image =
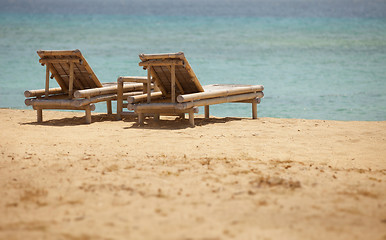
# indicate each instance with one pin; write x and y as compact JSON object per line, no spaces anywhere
{"x":59,"y":63}
{"x":161,"y":67}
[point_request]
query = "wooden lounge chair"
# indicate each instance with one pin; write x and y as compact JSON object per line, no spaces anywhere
{"x":181,"y":92}
{"x":79,"y":88}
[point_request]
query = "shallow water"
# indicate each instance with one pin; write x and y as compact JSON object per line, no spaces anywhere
{"x":330,"y":65}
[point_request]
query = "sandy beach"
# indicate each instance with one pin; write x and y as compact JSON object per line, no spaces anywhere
{"x":227,"y":178}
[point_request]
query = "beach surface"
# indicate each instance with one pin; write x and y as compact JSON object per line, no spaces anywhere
{"x":227,"y":178}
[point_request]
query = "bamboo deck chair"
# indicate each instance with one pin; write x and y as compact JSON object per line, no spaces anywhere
{"x":181,"y":92}
{"x":79,"y":88}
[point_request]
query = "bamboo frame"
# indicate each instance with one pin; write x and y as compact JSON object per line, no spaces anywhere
{"x":47,"y":57}
{"x":61,"y":52}
{"x":90,"y":71}
{"x":219,"y":93}
{"x":76,"y":79}
{"x":58,"y":78}
{"x":215,"y":95}
{"x":103,"y":98}
{"x":141,"y":118}
{"x":60,"y":60}
{"x":148,"y":90}
{"x":39,"y":115}
{"x":194,"y":77}
{"x":108,"y":90}
{"x":212,"y":101}
{"x":191,"y":118}
{"x":250,"y":101}
{"x":71,"y":82}
{"x":121,"y":95}
{"x":176,"y":80}
{"x":41,"y":92}
{"x":207,"y":111}
{"x":163,"y":62}
{"x":75,"y":103}
{"x":143,"y":97}
{"x":171,"y":57}
{"x":254,"y":108}
{"x":132,"y":79}
{"x":153,"y":106}
{"x":55,"y":106}
{"x":47,"y":89}
{"x":164,"y":112}
{"x":145,"y":57}
{"x":88,"y":114}
{"x":109,"y":107}
{"x":120,"y":98}
{"x":173,"y":83}
{"x":157,"y":81}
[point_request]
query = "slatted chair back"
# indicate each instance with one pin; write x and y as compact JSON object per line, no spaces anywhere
{"x":162,"y":66}
{"x":70,"y":69}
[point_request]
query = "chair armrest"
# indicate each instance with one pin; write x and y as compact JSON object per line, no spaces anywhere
{"x":133,"y":79}
{"x":41,"y":92}
{"x":108,"y":90}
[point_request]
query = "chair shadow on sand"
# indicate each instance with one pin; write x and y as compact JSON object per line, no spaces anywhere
{"x":73,"y":121}
{"x":178,"y":123}
{"x":162,"y":124}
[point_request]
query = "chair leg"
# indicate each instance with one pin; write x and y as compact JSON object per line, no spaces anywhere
{"x":120,"y":100}
{"x":191,"y":118}
{"x":141,"y":118}
{"x":39,"y":115}
{"x":207,"y":111}
{"x":88,"y":114}
{"x":109,"y":109}
{"x":254,"y":108}
{"x":156,"y":116}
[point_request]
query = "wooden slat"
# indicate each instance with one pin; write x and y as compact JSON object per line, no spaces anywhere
{"x":165,"y":79}
{"x":179,"y":86}
{"x":173,"y":83}
{"x":62,"y":74}
{"x":220,"y":92}
{"x":164,"y":74}
{"x":186,"y":82}
{"x":55,"y":103}
{"x":185,"y":75}
{"x":145,"y":57}
{"x":40,"y":92}
{"x":158,"y":82}
{"x":148,"y":84}
{"x":84,"y":77}
{"x":218,"y":100}
{"x":157,"y":62}
{"x":88,"y":68}
{"x":75,"y":84}
{"x":57,"y":77}
{"x":108,"y":90}
{"x":71,"y":83}
{"x":82,"y":83}
{"x":193,"y":75}
{"x":254,"y":108}
{"x":58,"y":60}
{"x":46,"y":92}
{"x":133,"y":79}
{"x":43,"y":53}
{"x":143,"y":97}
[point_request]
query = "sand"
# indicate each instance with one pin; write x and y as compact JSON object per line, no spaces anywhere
{"x":227,"y":178}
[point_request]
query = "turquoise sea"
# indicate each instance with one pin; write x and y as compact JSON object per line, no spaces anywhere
{"x":317,"y":59}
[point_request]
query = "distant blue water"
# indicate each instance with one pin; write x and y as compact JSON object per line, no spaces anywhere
{"x":316,"y":59}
